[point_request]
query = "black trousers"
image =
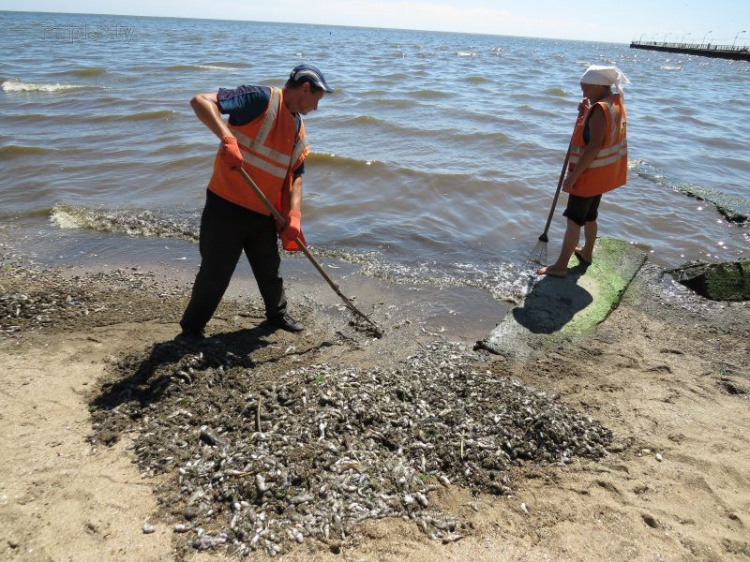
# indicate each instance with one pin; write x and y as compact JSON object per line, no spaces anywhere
{"x":226,"y":230}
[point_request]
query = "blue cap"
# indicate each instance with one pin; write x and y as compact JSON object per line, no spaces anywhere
{"x":309,"y":73}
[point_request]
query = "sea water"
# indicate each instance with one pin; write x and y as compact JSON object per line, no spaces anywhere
{"x":435,"y":161}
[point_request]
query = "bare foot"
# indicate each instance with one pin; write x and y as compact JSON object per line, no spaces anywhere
{"x":585,"y":259}
{"x":549,"y":270}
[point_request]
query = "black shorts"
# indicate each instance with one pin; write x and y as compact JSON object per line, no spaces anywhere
{"x":582,"y":209}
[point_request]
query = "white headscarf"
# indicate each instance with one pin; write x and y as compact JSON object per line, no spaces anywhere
{"x":605,"y":76}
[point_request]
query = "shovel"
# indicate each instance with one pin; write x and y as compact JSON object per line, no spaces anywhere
{"x":376,"y":331}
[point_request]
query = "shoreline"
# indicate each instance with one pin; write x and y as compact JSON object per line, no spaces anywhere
{"x":666,"y":376}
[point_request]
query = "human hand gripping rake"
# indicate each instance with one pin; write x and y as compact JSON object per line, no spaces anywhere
{"x":372,"y":327}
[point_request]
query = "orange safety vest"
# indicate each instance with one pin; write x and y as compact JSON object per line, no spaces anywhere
{"x":270,"y":157}
{"x":610,"y":167}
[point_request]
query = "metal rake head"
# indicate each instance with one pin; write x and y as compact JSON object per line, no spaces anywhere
{"x":538,"y":255}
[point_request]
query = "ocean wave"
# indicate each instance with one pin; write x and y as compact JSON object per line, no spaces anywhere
{"x":506,"y":282}
{"x":334,"y":160}
{"x":466,"y":54}
{"x":391,"y":78}
{"x":536,"y":111}
{"x":665,"y":67}
{"x":14,"y":85}
{"x":90,"y":71}
{"x":477,"y":79}
{"x":650,"y":173}
{"x":26,"y":213}
{"x":555,"y":92}
{"x":200,"y":67}
{"x":138,"y":223}
{"x":495,"y":136}
{"x":228,"y":65}
{"x":146,"y":115}
{"x":389,"y":126}
{"x":362,"y":119}
{"x":431,"y":94}
{"x":647,"y":172}
{"x":183,"y":148}
{"x":71,"y":118}
{"x":16,"y":150}
{"x":216,"y":67}
{"x":395,"y":103}
{"x":180,"y":164}
{"x":723,"y":143}
{"x":734,"y":206}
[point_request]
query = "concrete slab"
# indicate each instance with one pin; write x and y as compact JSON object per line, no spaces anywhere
{"x":734,"y":207}
{"x":562,"y":308}
{"x":727,"y":281}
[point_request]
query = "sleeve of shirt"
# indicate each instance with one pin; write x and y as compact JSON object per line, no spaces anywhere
{"x":243,"y":104}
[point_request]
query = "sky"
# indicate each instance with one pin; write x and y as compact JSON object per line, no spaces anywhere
{"x":693,"y":21}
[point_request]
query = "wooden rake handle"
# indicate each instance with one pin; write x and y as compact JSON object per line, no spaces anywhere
{"x":543,"y":237}
{"x":378,"y":332}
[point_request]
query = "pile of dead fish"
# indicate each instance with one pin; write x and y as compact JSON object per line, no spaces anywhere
{"x":34,"y":299}
{"x":262,"y":461}
{"x":36,"y":309}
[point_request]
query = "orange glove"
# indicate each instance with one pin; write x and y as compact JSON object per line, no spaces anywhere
{"x":291,"y":228}
{"x":230,"y":152}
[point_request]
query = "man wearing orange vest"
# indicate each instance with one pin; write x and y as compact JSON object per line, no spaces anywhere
{"x":598,"y":162}
{"x":265,"y":135}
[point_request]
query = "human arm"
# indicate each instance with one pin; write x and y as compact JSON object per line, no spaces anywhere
{"x":206,"y":108}
{"x":597,"y":127}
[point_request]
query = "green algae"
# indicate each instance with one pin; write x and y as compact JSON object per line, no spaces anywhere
{"x":558,"y":309}
{"x":733,"y":207}
{"x":729,"y":281}
{"x":607,"y":278}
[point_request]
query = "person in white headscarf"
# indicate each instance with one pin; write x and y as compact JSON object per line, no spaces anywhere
{"x":598,"y":162}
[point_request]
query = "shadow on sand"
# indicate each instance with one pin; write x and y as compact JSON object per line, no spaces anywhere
{"x":225,"y":349}
{"x":553,"y":302}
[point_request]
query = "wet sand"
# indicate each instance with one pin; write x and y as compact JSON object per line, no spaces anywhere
{"x":669,"y":379}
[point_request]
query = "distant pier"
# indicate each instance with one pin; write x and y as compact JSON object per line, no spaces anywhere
{"x":705,"y":50}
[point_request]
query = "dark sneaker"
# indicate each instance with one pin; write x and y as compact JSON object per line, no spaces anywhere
{"x":285,"y":322}
{"x":190,"y":338}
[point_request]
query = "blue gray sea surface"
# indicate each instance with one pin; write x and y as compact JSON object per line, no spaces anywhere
{"x":434,"y":162}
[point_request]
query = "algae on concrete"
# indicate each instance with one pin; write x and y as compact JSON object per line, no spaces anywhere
{"x":719,"y":281}
{"x":562,"y":308}
{"x":733,"y":207}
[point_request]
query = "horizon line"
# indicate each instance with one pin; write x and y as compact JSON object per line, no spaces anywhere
{"x":315,"y":24}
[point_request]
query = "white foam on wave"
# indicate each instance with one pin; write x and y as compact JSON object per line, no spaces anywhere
{"x":14,"y":85}
{"x":63,"y":219}
{"x":466,"y":54}
{"x":213,"y":67}
{"x":131,"y":222}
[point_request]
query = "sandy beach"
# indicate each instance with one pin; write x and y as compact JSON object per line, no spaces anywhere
{"x":669,"y":380}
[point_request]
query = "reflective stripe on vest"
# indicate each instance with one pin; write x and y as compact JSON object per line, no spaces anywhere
{"x":607,"y":155}
{"x":279,"y":162}
{"x":271,"y":146}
